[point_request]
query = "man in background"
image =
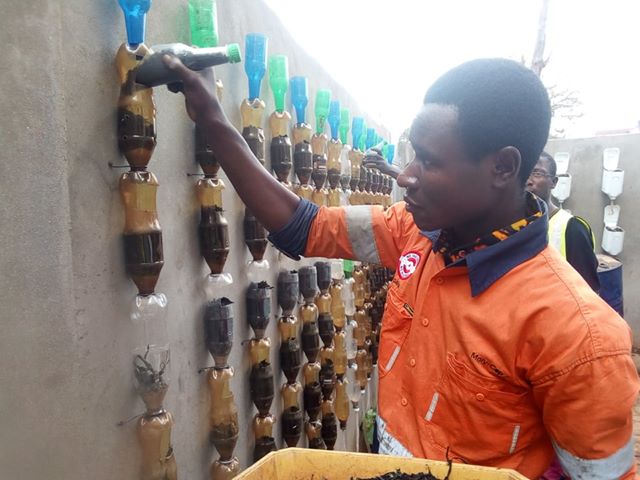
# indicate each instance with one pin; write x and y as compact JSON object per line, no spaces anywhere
{"x":571,"y":235}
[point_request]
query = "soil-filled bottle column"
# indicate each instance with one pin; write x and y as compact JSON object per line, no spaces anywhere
{"x":138,"y":187}
{"x":352,"y":386}
{"x":327,"y":354}
{"x":367,"y":269}
{"x":302,"y":154}
{"x":334,"y":151}
{"x":223,"y":413}
{"x":261,"y":384}
{"x":142,"y":239}
{"x":213,"y":236}
{"x":312,"y":392}
{"x":290,"y":357}
{"x":213,"y":231}
{"x":360,"y":330}
{"x":341,"y":401}
{"x":252,"y":113}
{"x":355,"y":158}
{"x":319,"y":148}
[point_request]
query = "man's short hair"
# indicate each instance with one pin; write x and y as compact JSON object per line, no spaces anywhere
{"x":551,"y":162}
{"x":500,"y":103}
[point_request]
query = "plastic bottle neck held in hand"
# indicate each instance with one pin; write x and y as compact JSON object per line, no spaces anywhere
{"x":153,"y":71}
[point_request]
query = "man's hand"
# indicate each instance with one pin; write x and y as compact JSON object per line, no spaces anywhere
{"x":373,"y":159}
{"x":271,"y":203}
{"x":199,"y":88}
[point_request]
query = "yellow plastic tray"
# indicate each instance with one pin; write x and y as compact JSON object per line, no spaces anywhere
{"x":305,"y":464}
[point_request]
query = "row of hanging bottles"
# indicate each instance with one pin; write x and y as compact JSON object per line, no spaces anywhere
{"x":330,"y":310}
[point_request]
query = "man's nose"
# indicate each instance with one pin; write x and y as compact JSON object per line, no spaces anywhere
{"x":406,"y":180}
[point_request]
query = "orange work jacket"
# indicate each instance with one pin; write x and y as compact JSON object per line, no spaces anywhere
{"x":497,"y":361}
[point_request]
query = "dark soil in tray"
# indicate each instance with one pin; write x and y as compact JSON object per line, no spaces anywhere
{"x":398,"y":475}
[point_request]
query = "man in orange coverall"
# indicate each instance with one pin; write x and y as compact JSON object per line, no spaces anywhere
{"x":492,"y":346}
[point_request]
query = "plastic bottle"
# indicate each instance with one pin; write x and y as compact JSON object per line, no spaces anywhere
{"x":135,"y":17}
{"x":255,"y":64}
{"x":153,"y":71}
{"x":203,"y":20}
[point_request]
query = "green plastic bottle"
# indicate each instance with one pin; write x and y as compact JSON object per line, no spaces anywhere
{"x":279,"y":79}
{"x":363,"y":138}
{"x":344,"y":125}
{"x":323,"y":99}
{"x":203,"y":20}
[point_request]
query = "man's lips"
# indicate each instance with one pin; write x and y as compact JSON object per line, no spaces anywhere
{"x":411,"y":206}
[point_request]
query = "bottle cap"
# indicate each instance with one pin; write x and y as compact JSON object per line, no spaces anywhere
{"x":233,"y":52}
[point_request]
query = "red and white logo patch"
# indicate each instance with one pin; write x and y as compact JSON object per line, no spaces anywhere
{"x":408,"y":264}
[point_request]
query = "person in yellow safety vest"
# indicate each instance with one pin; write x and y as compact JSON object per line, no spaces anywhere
{"x":570,"y":234}
{"x":493,"y":350}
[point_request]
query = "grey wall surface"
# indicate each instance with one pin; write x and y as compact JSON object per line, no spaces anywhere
{"x":66,"y":337}
{"x":588,"y":201}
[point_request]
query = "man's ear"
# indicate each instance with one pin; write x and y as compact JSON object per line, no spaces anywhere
{"x":554,"y":182}
{"x":506,"y":166}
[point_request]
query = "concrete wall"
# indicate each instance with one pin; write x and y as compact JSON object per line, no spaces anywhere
{"x":66,"y":337}
{"x":588,"y":201}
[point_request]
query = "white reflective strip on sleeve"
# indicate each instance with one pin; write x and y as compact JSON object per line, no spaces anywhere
{"x":610,"y":468}
{"x":392,"y":359}
{"x":432,"y":407}
{"x":514,"y":439}
{"x":388,"y":444}
{"x":360,"y":229}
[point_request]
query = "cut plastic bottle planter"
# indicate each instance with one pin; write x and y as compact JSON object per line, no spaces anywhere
{"x":613,"y":240}
{"x":563,"y":187}
{"x":612,"y":182}
{"x":610,"y":158}
{"x":562,"y":162}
